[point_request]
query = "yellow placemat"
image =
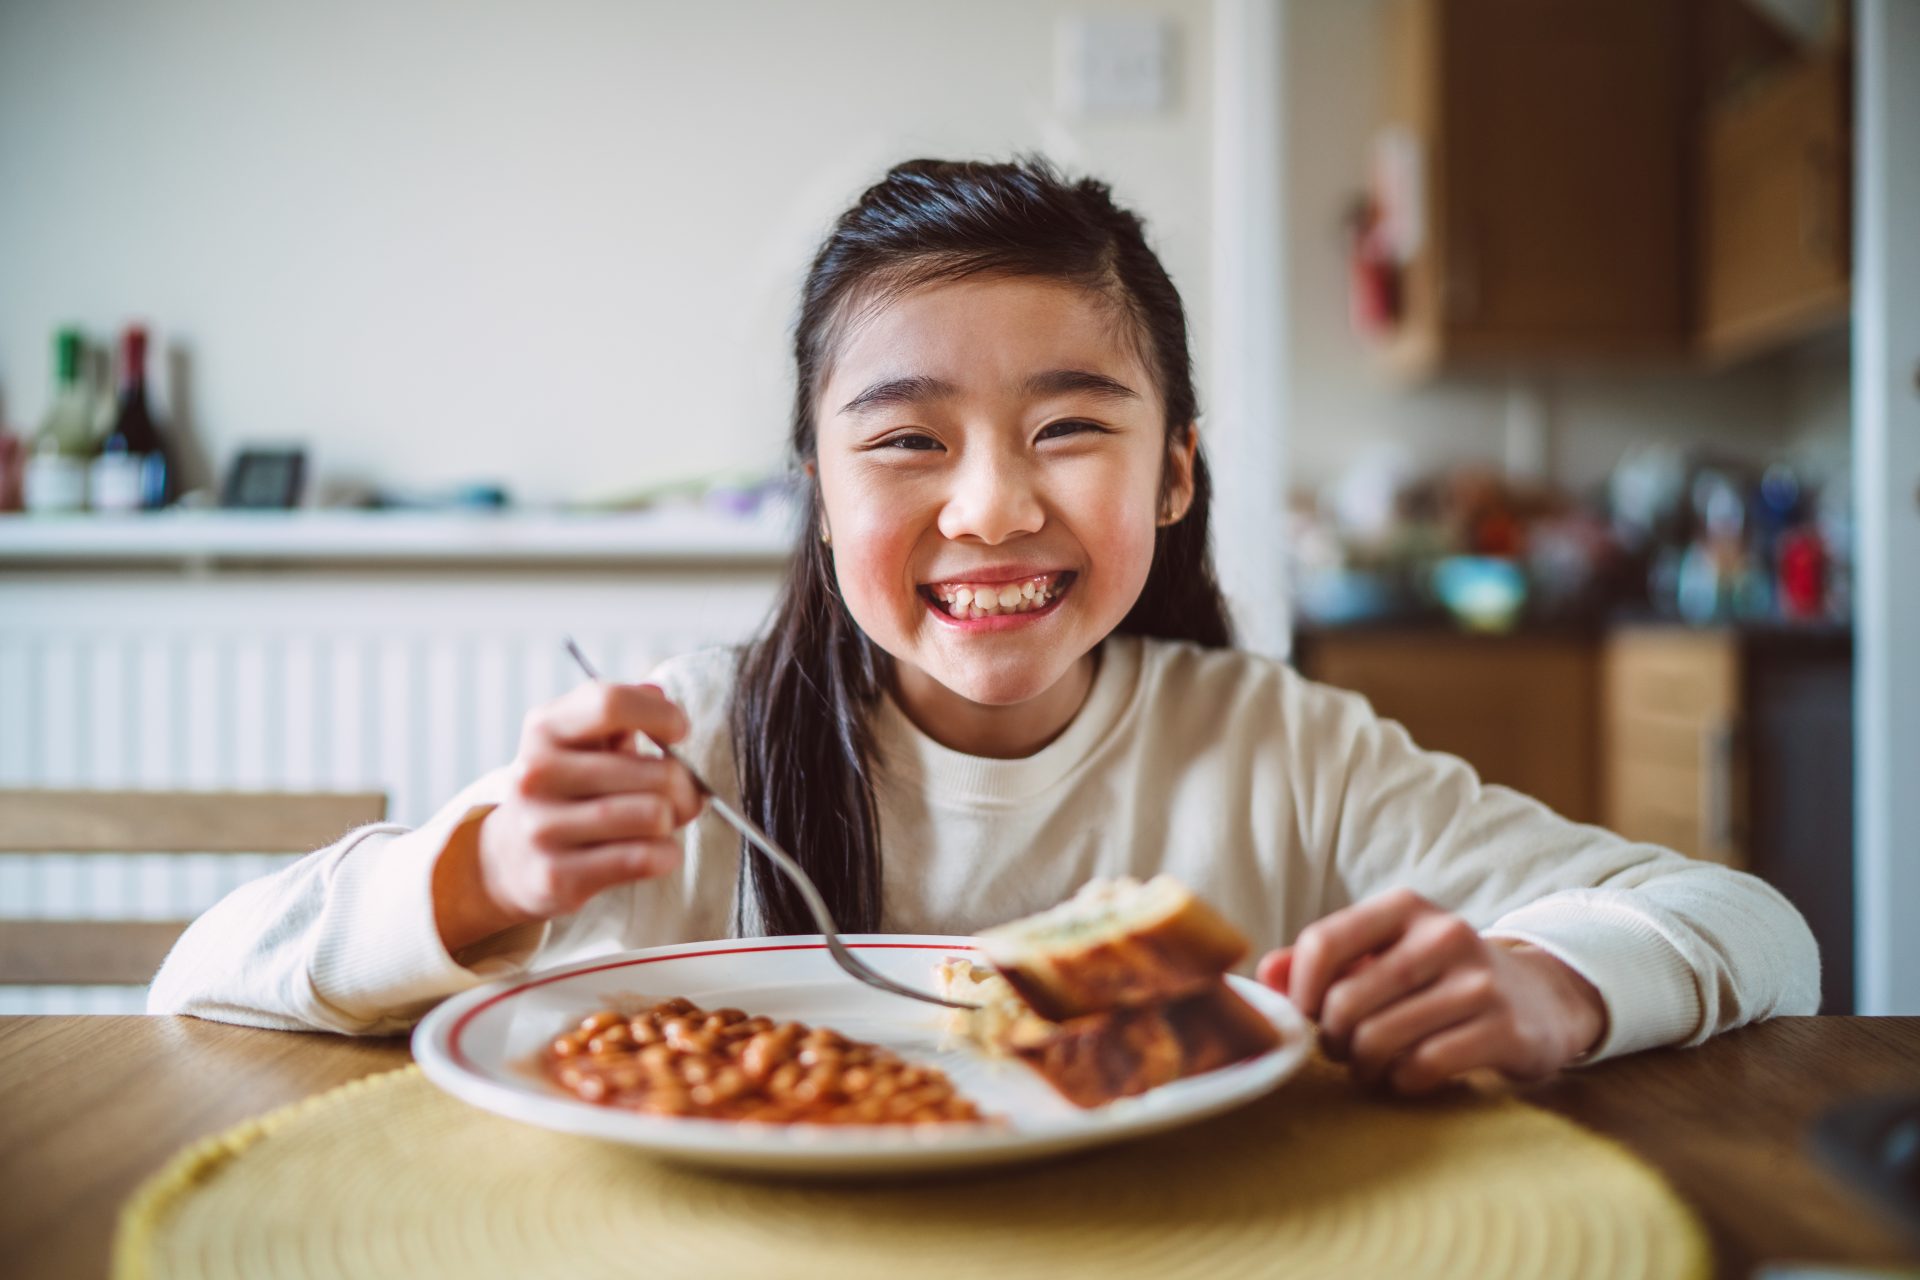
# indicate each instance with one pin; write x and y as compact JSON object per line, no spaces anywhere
{"x":390,"y":1177}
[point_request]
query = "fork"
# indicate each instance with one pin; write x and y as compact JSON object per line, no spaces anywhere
{"x":816,"y":905}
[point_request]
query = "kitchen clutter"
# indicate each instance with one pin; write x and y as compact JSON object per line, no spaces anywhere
{"x":1670,"y":534}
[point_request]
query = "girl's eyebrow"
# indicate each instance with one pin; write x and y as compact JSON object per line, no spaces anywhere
{"x":892,"y":391}
{"x":919,"y":387}
{"x":1060,"y":381}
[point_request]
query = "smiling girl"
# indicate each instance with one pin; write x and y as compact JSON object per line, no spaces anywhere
{"x":999,"y":667}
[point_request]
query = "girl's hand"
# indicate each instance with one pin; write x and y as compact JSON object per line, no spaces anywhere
{"x":587,"y":811}
{"x":1414,"y":996}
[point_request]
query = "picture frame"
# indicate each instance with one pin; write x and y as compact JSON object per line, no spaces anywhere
{"x":265,"y":480}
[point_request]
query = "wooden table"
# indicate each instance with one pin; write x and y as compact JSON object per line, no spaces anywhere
{"x":91,"y":1105}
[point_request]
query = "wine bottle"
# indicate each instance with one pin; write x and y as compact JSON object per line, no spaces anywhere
{"x":96,"y":371}
{"x":96,"y":360}
{"x":56,"y":474}
{"x":134,"y":469}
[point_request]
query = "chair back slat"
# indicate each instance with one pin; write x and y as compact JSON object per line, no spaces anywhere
{"x":84,"y":952}
{"x":36,"y":952}
{"x":35,"y":821}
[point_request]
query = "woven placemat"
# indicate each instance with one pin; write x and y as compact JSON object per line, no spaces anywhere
{"x":388,"y":1176}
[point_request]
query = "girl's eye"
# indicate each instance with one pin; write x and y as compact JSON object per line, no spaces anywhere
{"x":1070,"y":427}
{"x":914,"y":441}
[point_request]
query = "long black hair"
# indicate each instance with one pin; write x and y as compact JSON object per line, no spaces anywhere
{"x":805,"y":690}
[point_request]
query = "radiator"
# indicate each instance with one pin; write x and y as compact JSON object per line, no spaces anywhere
{"x":409,"y":684}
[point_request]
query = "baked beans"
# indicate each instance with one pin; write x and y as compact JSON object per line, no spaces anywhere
{"x":676,"y":1059}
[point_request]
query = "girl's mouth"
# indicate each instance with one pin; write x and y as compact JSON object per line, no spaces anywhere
{"x":973,"y":601}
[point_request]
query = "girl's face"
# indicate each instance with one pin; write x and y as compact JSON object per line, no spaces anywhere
{"x":990,"y":461}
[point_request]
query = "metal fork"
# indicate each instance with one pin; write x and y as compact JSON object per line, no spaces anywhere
{"x":816,"y":905}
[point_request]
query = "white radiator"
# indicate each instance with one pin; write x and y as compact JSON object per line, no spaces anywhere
{"x":410,"y":684}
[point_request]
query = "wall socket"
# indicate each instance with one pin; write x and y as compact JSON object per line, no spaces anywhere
{"x":1114,"y":64}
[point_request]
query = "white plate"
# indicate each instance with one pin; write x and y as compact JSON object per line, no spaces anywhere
{"x":483,"y":1047}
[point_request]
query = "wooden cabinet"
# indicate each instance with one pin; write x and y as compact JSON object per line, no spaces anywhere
{"x":1521,"y":709}
{"x":1553,"y":144}
{"x":1775,"y":210}
{"x":1673,"y":775}
{"x":1613,"y":181}
{"x":1737,"y":746}
{"x":1734,"y":746}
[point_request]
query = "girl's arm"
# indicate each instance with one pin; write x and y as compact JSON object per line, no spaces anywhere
{"x":365,"y":935}
{"x":343,"y":940}
{"x":1677,"y":950}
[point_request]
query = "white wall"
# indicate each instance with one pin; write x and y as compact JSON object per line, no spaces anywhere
{"x":1246,"y":424}
{"x":555,"y":244}
{"x":558,"y":244}
{"x":1341,"y":404}
{"x":1887,"y":430}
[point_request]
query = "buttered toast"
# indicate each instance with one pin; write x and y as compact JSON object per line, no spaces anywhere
{"x":1116,"y":1053}
{"x":1117,"y":990}
{"x":1114,"y":943}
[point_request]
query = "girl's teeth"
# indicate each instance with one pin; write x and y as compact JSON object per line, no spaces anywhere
{"x":991,"y":601}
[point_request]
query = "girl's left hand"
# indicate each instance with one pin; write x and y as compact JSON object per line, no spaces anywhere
{"x":1412,"y":995}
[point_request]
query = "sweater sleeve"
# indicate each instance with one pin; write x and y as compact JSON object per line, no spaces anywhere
{"x":343,"y":940}
{"x":1679,"y":949}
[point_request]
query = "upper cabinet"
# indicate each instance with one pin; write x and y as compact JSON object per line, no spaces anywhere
{"x":1774,"y":210}
{"x":1606,"y":181}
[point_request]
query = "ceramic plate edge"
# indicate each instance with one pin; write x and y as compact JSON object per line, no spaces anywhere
{"x":1231,"y":1086}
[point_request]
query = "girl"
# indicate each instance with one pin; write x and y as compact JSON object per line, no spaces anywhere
{"x":1000,"y":666}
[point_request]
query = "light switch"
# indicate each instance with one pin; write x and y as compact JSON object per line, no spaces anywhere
{"x":1114,"y":64}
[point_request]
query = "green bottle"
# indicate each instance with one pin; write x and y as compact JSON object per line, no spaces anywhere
{"x":56,"y":475}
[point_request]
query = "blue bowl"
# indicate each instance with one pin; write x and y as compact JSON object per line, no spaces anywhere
{"x":1484,"y":593}
{"x":1339,"y":596}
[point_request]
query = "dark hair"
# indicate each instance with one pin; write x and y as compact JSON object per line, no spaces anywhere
{"x":802,"y":702}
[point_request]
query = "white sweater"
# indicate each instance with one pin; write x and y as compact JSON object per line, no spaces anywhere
{"x":1277,"y":799}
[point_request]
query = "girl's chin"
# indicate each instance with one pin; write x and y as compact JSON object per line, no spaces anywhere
{"x":1003,"y":682}
{"x":993,"y":691}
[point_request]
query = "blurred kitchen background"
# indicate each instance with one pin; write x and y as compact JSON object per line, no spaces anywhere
{"x":350,"y":354}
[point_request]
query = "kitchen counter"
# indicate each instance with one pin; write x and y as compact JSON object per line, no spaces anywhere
{"x":1590,"y":626}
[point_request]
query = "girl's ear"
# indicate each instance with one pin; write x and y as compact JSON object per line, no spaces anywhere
{"x":1177,"y":489}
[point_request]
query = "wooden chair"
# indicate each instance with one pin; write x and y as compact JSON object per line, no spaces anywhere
{"x":105,"y":952}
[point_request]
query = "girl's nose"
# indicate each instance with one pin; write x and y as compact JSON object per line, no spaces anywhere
{"x":991,"y":501}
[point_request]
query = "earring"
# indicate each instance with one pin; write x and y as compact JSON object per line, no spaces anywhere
{"x":826,"y":536}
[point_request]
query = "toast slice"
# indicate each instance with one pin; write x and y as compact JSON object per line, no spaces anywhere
{"x":1093,"y":1059}
{"x":1115,"y":943}
{"x":1098,"y":1057}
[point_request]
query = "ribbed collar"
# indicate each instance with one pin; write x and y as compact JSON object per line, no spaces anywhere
{"x":946,"y":774}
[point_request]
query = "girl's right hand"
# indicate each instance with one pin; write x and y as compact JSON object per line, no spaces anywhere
{"x":586,"y":812}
